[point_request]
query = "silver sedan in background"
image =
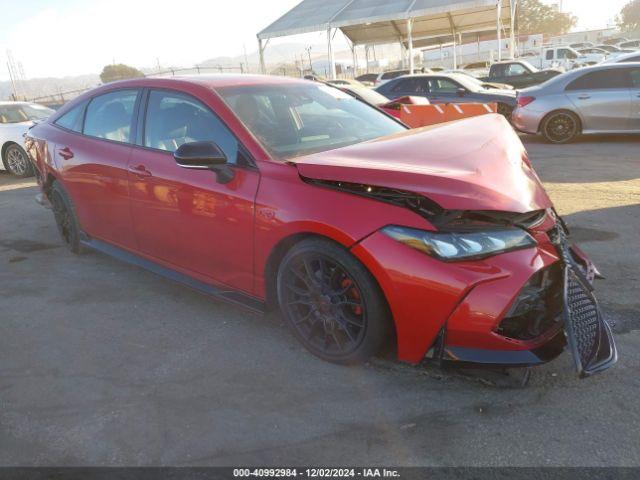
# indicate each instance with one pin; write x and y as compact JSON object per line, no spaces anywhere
{"x":601,"y":99}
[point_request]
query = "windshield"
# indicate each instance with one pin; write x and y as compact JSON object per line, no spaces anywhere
{"x":23,"y":112}
{"x":294,"y":120}
{"x":529,"y":66}
{"x":368,"y":95}
{"x":467,"y":82}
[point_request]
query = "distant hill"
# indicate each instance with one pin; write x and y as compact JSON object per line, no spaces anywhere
{"x":276,"y":55}
{"x":39,"y":87}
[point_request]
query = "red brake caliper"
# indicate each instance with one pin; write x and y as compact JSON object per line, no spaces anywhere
{"x":356,"y":309}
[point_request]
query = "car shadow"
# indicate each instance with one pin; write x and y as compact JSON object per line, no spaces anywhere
{"x":584,"y":139}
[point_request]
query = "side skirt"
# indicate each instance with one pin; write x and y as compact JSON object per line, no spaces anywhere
{"x":231,"y":296}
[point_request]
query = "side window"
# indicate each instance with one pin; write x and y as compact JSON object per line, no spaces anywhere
{"x":442,"y":85}
{"x":72,"y":120}
{"x":173,"y":118}
{"x":515,"y":69}
{"x":635,"y":78}
{"x":110,"y":116}
{"x":615,"y":78}
{"x":549,"y":54}
{"x":498,"y":70}
{"x":409,"y":86}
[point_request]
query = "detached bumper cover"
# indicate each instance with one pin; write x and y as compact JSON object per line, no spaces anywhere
{"x":583,"y":328}
{"x":588,"y":334}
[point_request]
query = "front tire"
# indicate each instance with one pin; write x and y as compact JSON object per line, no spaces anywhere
{"x":560,"y":127}
{"x":66,"y":219}
{"x":17,"y":162}
{"x":332,"y":303}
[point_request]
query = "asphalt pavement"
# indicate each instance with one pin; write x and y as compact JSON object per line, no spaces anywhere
{"x":102,"y":363}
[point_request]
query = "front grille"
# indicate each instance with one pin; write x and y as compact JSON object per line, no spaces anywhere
{"x":582,"y":316}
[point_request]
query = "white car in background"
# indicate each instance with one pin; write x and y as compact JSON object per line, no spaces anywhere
{"x":626,"y":58}
{"x":614,"y":51}
{"x":593,"y":55}
{"x":15,"y":120}
{"x":630,"y":45}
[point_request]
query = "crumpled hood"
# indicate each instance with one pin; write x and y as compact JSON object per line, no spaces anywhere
{"x":473,"y":164}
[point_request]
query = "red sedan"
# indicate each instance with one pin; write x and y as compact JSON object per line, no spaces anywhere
{"x":282,"y":193}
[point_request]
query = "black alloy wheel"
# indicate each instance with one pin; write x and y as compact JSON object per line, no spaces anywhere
{"x":65,"y":218}
{"x":561,"y":127}
{"x":331,"y":302}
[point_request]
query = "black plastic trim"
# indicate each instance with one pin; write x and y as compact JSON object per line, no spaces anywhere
{"x":508,"y":358}
{"x":232,"y":296}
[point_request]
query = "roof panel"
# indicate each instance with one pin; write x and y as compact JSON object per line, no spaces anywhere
{"x":368,"y":11}
{"x":384,"y":21}
{"x":307,"y":16}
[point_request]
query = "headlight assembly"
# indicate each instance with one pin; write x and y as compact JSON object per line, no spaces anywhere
{"x":452,"y":246}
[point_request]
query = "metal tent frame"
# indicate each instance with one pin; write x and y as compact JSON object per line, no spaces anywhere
{"x":371,"y":22}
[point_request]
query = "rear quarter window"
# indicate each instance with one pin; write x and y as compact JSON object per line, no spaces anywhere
{"x":72,"y":120}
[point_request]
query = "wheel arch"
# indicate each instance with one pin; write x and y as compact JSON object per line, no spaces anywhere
{"x":278,"y":252}
{"x":561,"y":110}
{"x":3,"y":151}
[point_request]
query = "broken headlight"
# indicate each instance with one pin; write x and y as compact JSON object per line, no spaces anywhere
{"x":452,"y":246}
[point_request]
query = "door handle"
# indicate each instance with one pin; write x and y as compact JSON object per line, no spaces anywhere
{"x":584,"y":97}
{"x":140,"y":170}
{"x":65,"y":153}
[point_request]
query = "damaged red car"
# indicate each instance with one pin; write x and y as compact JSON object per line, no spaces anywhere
{"x":282,"y":193}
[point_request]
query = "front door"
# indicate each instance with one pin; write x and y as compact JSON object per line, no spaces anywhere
{"x":184,"y":217}
{"x":444,"y":90}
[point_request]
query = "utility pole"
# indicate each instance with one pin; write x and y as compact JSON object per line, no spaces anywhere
{"x":246,"y":58}
{"x":308,"y":49}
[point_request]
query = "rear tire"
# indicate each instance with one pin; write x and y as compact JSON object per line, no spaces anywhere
{"x":505,"y":110}
{"x":17,"y":162}
{"x":66,"y":219}
{"x":331,"y":302}
{"x":560,"y":127}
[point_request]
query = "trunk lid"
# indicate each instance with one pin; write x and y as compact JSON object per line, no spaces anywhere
{"x":474,"y":164}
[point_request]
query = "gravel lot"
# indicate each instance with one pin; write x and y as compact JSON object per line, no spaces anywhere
{"x":102,"y":363}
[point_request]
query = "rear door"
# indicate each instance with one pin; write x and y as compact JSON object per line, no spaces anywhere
{"x":402,"y":87}
{"x":91,"y":153}
{"x":184,"y":217}
{"x":603,"y":99}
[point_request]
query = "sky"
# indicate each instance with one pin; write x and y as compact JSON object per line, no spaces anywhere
{"x":71,"y":37}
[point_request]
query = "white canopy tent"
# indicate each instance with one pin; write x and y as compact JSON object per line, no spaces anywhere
{"x":371,"y":22}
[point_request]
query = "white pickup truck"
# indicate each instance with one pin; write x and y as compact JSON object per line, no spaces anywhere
{"x":558,"y":57}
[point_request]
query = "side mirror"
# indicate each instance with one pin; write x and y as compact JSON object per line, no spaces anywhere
{"x":204,"y":156}
{"x":461,"y":92}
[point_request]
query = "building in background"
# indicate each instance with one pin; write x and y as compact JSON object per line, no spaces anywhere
{"x":594,"y":36}
{"x":483,"y":49}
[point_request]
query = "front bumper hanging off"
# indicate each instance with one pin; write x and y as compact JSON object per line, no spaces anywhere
{"x":581,"y":325}
{"x":588,"y":334}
